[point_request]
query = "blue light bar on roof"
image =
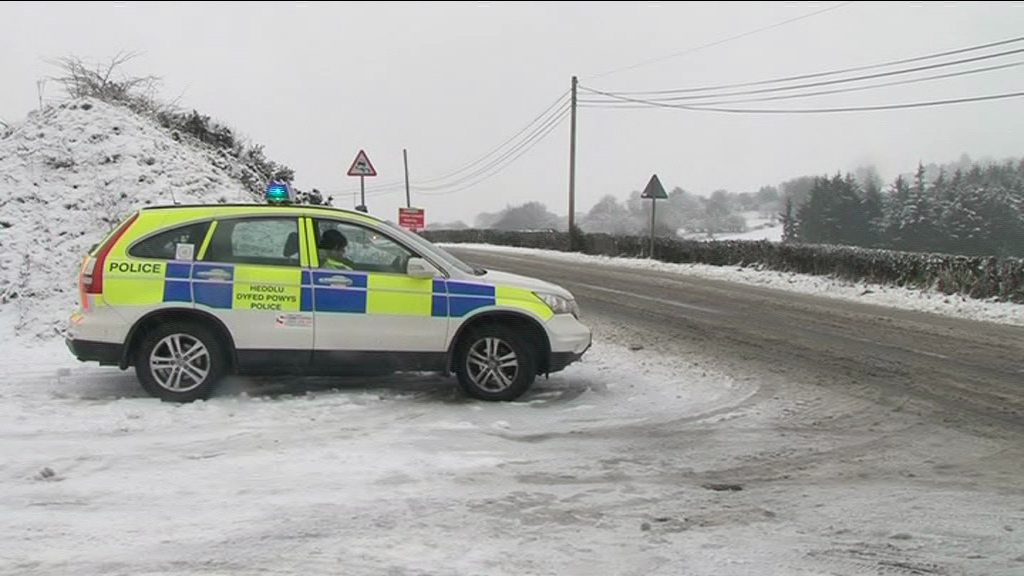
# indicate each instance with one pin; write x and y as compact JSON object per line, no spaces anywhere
{"x":278,"y":192}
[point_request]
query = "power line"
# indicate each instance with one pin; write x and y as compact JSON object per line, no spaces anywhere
{"x":831,"y":110}
{"x":455,"y":186}
{"x":498,"y":171}
{"x":389,"y":188}
{"x":615,"y":102}
{"x":513,"y":154}
{"x":554,"y":117}
{"x":522,"y":149}
{"x":829,"y":72}
{"x":553,"y":105}
{"x":722,"y":41}
{"x":840,"y":80}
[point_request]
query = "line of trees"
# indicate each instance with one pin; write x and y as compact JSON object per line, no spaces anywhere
{"x":976,"y":209}
{"x":964,"y":207}
{"x":681,"y":213}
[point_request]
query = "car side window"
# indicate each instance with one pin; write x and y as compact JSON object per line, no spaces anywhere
{"x":180,"y":243}
{"x":262,"y":241}
{"x":365,"y":249}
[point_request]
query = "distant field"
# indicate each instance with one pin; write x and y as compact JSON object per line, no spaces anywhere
{"x":758,"y":228}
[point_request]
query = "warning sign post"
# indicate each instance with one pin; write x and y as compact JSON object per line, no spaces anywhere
{"x":362,"y":167}
{"x":655,"y":191}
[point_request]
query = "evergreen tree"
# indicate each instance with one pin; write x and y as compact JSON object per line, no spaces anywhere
{"x":790,"y":227}
{"x":853,"y":221}
{"x":962,"y":221}
{"x":799,"y":189}
{"x":916,"y":221}
{"x":811,"y":215}
{"x":873,"y":206}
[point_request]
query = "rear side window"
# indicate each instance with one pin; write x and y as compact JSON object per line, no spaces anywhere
{"x":265,"y":241}
{"x":179,"y":243}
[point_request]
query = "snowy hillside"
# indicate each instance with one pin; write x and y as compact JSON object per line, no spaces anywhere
{"x":68,"y":174}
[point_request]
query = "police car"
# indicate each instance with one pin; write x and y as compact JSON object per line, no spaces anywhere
{"x":187,"y":294}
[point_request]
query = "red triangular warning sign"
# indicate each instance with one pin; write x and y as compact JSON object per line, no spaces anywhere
{"x":361,"y":166}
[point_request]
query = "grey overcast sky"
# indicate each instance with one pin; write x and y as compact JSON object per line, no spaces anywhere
{"x":315,"y":82}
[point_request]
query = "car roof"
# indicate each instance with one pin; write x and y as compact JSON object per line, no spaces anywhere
{"x":243,"y":208}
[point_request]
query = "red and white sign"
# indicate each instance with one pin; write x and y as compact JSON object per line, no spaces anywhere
{"x":411,"y":218}
{"x":361,"y":166}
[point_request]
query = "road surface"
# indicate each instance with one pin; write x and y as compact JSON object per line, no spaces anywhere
{"x":955,"y":370}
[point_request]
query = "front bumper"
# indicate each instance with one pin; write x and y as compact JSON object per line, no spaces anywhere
{"x":561,"y":360}
{"x":570,"y":340}
{"x":568,"y":334}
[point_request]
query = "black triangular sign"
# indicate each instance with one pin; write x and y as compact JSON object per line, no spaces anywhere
{"x":654,"y":189}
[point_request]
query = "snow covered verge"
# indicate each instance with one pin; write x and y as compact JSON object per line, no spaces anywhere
{"x":891,"y":296}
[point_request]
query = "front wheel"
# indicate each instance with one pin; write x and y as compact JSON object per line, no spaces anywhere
{"x":495,"y":363}
{"x":180,"y":362}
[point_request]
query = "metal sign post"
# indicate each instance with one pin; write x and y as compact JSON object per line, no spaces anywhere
{"x":405,"y":160}
{"x":362,"y":167}
{"x":654,"y":191}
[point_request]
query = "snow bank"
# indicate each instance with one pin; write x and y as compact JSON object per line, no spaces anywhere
{"x":69,"y":174}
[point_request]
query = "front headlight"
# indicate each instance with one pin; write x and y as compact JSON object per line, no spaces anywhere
{"x":560,"y":304}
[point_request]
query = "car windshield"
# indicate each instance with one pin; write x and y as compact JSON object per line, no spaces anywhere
{"x":424,"y":245}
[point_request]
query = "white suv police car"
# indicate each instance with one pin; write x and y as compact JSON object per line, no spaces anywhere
{"x":187,"y":294}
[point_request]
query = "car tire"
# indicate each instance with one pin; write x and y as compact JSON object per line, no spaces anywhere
{"x":494,"y":362}
{"x":180,"y":362}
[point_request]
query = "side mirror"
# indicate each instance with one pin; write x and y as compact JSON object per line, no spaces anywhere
{"x":420,"y":268}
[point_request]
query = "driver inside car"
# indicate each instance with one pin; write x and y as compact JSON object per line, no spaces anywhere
{"x":332,"y":251}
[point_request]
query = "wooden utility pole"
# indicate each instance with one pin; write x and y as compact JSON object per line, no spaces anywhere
{"x":572,"y":167}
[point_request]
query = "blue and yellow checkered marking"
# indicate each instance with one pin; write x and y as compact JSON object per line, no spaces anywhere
{"x":306,"y":293}
{"x":212,"y":292}
{"x":339,"y":297}
{"x":178,"y":282}
{"x":191,"y":282}
{"x":455,"y":299}
{"x":439,"y":300}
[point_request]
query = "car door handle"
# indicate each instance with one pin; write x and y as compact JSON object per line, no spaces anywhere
{"x":215,"y":273}
{"x":344,"y":280}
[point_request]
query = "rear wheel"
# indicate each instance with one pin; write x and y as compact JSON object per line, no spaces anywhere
{"x":180,"y":362}
{"x":495,"y":362}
